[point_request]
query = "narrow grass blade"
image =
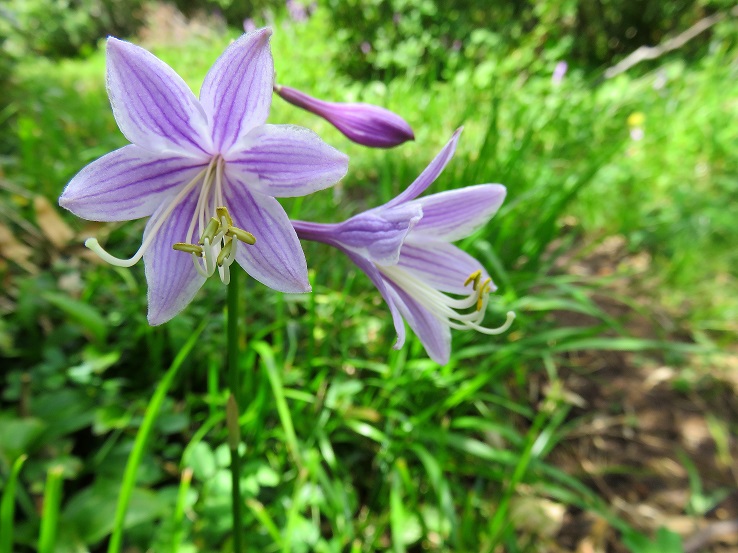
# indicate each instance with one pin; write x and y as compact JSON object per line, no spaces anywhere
{"x":7,"y":507}
{"x":50,"y":516}
{"x":275,"y":380}
{"x":134,"y":459}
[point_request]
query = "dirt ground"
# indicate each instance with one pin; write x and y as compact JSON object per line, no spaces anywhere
{"x":654,"y":441}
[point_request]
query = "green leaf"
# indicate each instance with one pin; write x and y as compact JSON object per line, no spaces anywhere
{"x":80,"y":312}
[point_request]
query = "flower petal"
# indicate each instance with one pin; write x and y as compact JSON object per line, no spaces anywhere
{"x":458,"y":213}
{"x":432,"y":332}
{"x":153,"y":106}
{"x":277,"y":259}
{"x":286,"y":161}
{"x":378,"y":234}
{"x":126,"y":184}
{"x":430,"y":173}
{"x":440,"y":265}
{"x":237,"y":91}
{"x":171,"y":275}
{"x":389,"y":295}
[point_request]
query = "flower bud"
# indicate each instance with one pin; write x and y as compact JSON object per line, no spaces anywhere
{"x":364,"y":124}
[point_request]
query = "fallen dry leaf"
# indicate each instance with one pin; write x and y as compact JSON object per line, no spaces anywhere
{"x":51,"y":224}
{"x":16,"y":251}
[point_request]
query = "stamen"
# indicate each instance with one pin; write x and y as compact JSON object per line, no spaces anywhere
{"x":474,"y":277}
{"x":242,"y":235}
{"x":451,"y":310}
{"x":222,"y":212}
{"x":217,"y":246}
{"x":95,"y":246}
{"x":225,"y":252}
{"x":210,"y":230}
{"x":189,"y":248}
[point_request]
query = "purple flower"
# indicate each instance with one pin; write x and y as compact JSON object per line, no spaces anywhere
{"x":559,"y":72}
{"x":296,"y":11}
{"x":364,"y":124}
{"x":203,"y":170}
{"x":404,"y":246}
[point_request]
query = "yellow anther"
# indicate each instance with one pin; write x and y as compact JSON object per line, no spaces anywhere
{"x":210,"y":231}
{"x":222,"y":212}
{"x":483,"y":289}
{"x":474,"y":277}
{"x":189,"y":248}
{"x":224,"y":253}
{"x":242,"y":235}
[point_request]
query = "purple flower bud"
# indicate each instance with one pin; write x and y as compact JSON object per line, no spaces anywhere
{"x":249,"y":25}
{"x":364,"y":124}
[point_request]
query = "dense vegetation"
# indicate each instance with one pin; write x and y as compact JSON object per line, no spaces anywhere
{"x":617,"y":235}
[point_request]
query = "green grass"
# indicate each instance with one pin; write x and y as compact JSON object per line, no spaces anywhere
{"x":348,"y":445}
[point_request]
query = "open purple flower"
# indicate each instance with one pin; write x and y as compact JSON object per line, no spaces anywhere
{"x":404,"y":246}
{"x":203,"y":170}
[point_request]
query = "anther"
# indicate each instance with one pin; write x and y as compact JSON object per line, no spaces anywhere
{"x":210,"y":231}
{"x":189,"y":248}
{"x":224,"y":253}
{"x":242,"y":235}
{"x":222,"y":212}
{"x":474,"y":277}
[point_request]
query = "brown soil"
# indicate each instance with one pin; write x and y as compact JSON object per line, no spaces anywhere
{"x":655,"y":441}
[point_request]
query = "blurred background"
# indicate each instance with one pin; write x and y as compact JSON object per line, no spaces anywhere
{"x":605,"y":420}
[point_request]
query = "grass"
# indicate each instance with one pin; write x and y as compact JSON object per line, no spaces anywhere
{"x":347,"y":444}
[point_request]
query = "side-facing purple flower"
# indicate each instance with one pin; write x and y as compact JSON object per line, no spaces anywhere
{"x":191,"y":159}
{"x":364,"y":124}
{"x":405,"y":247}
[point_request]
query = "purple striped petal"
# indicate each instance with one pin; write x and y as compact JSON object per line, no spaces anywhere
{"x":277,"y":259}
{"x":126,"y":184}
{"x":237,"y":91}
{"x":286,"y":161}
{"x":153,"y":106}
{"x":440,"y":265}
{"x":433,"y":333}
{"x":430,"y":173}
{"x":378,"y":234}
{"x":389,"y":295}
{"x":458,"y":213}
{"x":171,"y":275}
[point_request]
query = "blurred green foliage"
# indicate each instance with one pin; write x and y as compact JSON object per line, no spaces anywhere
{"x":436,"y":38}
{"x":63,"y":28}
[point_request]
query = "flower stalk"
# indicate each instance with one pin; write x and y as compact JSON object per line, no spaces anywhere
{"x":232,"y":423}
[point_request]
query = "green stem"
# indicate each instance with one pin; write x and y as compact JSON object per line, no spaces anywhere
{"x":232,"y":406}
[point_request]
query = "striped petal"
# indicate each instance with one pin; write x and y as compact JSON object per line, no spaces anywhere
{"x":440,"y":265}
{"x":171,"y":275}
{"x":458,"y":213}
{"x":434,"y":334}
{"x":379,"y":234}
{"x":430,"y":173}
{"x":387,"y":293}
{"x":277,"y":259}
{"x":286,"y":161}
{"x":153,"y":106}
{"x":237,"y":91}
{"x":126,"y":184}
